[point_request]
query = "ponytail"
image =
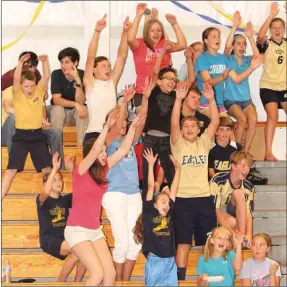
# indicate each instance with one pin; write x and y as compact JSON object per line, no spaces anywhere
{"x":138,"y":230}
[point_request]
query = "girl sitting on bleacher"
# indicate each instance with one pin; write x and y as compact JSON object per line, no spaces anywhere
{"x":154,"y":229}
{"x":53,"y":210}
{"x":219,"y":262}
{"x":84,"y":231}
{"x":259,"y":270}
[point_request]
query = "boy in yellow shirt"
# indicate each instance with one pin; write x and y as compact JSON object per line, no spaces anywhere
{"x":28,"y":103}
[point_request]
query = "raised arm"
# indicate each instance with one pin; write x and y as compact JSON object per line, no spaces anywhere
{"x":175,"y":182}
{"x":92,"y":52}
{"x":274,"y":10}
{"x":249,"y":34}
{"x":132,"y":33}
{"x":181,"y":43}
{"x":18,"y":72}
{"x":122,"y":53}
{"x":48,"y":184}
{"x":127,"y":142}
{"x":256,"y":62}
{"x":229,"y":41}
{"x":188,"y":53}
{"x":46,"y":70}
{"x":213,"y":126}
{"x":151,"y":159}
{"x":87,"y":162}
{"x":181,"y":91}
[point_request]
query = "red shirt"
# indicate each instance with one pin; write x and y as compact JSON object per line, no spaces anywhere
{"x":144,"y":59}
{"x":87,"y":200}
{"x":7,"y":79}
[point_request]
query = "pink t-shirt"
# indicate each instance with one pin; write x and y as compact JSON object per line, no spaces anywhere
{"x":144,"y":59}
{"x":87,"y":201}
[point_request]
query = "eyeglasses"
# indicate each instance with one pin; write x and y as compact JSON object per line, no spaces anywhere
{"x":170,"y":79}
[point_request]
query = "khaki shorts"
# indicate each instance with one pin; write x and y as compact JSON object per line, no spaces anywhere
{"x":78,"y":234}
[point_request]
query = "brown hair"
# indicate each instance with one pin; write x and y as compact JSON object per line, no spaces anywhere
{"x":277,"y":19}
{"x":195,"y":89}
{"x":208,"y":250}
{"x":237,"y":156}
{"x":205,"y":35}
{"x":96,"y":170}
{"x":195,"y":44}
{"x":189,"y":118}
{"x":138,"y":230}
{"x":226,"y":122}
{"x":265,"y":236}
{"x":99,"y":59}
{"x":47,"y":174}
{"x":27,"y":75}
{"x":146,"y":30}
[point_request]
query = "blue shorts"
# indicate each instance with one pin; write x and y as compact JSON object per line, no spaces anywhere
{"x":242,"y":104}
{"x":160,"y":271}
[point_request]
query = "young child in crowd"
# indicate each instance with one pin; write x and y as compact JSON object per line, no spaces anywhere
{"x":219,"y":259}
{"x":146,"y":49}
{"x":53,"y":211}
{"x":219,"y":155}
{"x":234,"y":196}
{"x":237,"y":96}
{"x":28,"y":102}
{"x":259,"y":270}
{"x":154,"y":229}
{"x":212,"y":67}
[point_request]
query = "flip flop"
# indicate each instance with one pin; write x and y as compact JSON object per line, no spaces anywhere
{"x":270,"y":159}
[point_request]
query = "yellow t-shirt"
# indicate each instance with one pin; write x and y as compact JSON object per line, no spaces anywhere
{"x":7,"y":94}
{"x":193,"y":158}
{"x":274,"y":68}
{"x":221,"y":188}
{"x":29,"y":110}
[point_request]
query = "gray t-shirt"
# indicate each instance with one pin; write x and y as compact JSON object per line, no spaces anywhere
{"x":258,"y":273}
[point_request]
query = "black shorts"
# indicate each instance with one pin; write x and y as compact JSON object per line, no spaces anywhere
{"x":269,"y":96}
{"x":33,"y":141}
{"x":194,"y":216}
{"x":52,"y":245}
{"x":137,"y":100}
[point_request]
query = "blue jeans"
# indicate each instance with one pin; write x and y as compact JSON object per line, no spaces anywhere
{"x":242,"y":104}
{"x":160,"y":146}
{"x":54,"y":137}
{"x":160,"y":271}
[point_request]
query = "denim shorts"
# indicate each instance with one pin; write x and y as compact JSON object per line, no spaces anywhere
{"x":241,"y":104}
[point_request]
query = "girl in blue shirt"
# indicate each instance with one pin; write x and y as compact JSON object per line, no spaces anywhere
{"x":123,"y":201}
{"x":212,"y":67}
{"x":237,"y":98}
{"x":219,"y":259}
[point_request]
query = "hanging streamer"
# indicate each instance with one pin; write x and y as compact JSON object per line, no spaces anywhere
{"x":207,"y":18}
{"x":36,"y":15}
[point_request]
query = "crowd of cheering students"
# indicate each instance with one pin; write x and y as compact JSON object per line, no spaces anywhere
{"x":182,"y":126}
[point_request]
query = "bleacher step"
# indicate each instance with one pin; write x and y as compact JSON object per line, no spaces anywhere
{"x":271,"y":226}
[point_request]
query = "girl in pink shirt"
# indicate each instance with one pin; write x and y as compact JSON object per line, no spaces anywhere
{"x":83,"y":231}
{"x":146,"y":49}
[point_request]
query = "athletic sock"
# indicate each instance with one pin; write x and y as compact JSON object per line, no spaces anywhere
{"x":181,"y":271}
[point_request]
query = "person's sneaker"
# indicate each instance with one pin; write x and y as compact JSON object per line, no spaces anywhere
{"x":256,"y":178}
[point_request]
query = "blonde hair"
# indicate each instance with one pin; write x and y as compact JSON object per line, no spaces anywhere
{"x":209,"y":246}
{"x":146,"y":30}
{"x":265,"y":236}
{"x":237,"y":156}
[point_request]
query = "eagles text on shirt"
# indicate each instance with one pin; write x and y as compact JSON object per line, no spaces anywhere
{"x":194,"y":160}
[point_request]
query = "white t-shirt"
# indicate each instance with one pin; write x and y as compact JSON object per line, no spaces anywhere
{"x":258,"y":273}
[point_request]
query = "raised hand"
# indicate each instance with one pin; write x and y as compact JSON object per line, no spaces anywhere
{"x":127,"y":24}
{"x":188,"y":53}
{"x":248,"y":31}
{"x":175,"y":162}
{"x":141,"y":117}
{"x":43,"y":58}
{"x":129,"y":92}
{"x":154,"y":13}
{"x":148,"y":155}
{"x":257,"y":61}
{"x":25,"y":58}
{"x":56,"y":161}
{"x":273,"y":268}
{"x":274,"y":9}
{"x":101,"y":24}
{"x":112,"y":118}
{"x":171,"y":18}
{"x":141,"y":7}
{"x":147,"y":87}
{"x":181,"y":90}
{"x":236,"y":19}
{"x":208,"y":91}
